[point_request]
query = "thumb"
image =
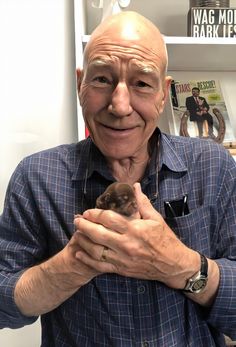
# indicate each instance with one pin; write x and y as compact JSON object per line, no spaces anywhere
{"x":146,"y":210}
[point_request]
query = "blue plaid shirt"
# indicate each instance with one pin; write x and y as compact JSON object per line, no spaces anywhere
{"x":49,"y":187}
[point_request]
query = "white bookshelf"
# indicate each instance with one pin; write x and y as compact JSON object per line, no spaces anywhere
{"x":198,"y":54}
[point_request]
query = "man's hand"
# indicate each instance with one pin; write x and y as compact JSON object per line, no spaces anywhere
{"x":143,"y":248}
{"x":199,"y":113}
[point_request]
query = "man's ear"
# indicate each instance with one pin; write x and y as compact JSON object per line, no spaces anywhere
{"x":166,"y":89}
{"x":79,"y":75}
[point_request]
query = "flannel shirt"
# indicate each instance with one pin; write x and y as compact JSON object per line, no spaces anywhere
{"x":49,"y":187}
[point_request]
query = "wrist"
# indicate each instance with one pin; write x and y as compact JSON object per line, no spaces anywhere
{"x":197,"y":283}
{"x":207,"y":296}
{"x":57,"y":274}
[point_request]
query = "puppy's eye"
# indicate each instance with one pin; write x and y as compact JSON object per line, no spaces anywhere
{"x":120,"y":198}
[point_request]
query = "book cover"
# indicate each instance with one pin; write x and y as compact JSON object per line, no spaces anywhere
{"x":199,"y":110}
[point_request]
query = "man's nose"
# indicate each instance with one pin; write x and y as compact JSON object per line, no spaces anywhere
{"x":120,"y":101}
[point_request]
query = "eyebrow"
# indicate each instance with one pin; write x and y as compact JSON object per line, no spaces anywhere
{"x":140,"y":67}
{"x":100,"y":62}
{"x":146,"y":68}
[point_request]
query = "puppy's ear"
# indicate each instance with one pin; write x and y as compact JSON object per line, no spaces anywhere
{"x":103,"y":201}
{"x":107,"y":197}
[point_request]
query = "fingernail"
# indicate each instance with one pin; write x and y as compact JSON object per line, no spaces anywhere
{"x":77,"y":216}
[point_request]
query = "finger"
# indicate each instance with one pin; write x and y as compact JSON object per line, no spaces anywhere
{"x":145,"y":207}
{"x":98,"y":265}
{"x":98,"y":252}
{"x":93,"y":249}
{"x":97,"y":233}
{"x":109,"y":219}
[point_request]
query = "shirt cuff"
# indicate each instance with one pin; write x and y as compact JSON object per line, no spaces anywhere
{"x":10,"y":315}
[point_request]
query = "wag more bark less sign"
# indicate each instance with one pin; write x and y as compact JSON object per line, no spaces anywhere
{"x":212,"y":22}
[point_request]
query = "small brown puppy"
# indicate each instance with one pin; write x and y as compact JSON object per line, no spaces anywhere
{"x":120,"y":198}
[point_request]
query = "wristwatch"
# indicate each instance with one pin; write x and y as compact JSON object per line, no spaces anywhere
{"x":198,"y":282}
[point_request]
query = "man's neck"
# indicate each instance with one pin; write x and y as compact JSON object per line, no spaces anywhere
{"x":129,"y":170}
{"x":132,"y":169}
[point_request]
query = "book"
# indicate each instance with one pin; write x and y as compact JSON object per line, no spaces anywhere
{"x":212,"y":22}
{"x":199,"y":110}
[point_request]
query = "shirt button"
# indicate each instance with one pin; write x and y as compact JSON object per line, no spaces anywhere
{"x":145,"y":344}
{"x":141,"y":289}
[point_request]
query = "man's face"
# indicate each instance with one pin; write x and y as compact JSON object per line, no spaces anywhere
{"x":122,"y":94}
{"x":195,"y":92}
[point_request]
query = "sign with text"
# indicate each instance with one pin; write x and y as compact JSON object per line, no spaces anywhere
{"x":212,"y":22}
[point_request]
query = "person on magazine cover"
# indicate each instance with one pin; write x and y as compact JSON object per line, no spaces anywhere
{"x":199,"y":111}
{"x":99,"y":278}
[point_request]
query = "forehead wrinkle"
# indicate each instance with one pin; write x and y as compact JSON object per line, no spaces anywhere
{"x":103,"y":45}
{"x":146,"y":68}
{"x":139,"y":67}
{"x":103,"y":53}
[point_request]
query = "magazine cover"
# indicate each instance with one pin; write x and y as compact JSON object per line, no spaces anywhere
{"x":200,"y":110}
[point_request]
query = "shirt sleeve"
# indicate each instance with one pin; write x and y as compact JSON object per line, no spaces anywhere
{"x":222,"y":314}
{"x":22,"y":245}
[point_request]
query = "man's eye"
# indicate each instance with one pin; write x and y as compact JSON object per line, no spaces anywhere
{"x":142,"y":84}
{"x":101,"y":79}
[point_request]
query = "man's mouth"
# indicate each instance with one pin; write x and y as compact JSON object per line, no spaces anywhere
{"x":118,"y":129}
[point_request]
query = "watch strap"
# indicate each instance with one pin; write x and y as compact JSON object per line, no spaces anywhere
{"x":201,"y":275}
{"x":204,"y":265}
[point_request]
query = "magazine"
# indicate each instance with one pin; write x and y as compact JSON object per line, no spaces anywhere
{"x":199,"y":110}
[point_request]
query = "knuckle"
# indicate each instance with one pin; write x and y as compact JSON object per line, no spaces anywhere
{"x":102,"y":231}
{"x":137,"y":226}
{"x":131,"y":247}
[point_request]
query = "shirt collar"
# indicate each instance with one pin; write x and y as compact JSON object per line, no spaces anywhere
{"x":169,"y":156}
{"x":164,"y":155}
{"x":90,"y":159}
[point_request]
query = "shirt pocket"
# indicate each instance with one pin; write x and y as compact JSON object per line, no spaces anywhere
{"x":193,"y":229}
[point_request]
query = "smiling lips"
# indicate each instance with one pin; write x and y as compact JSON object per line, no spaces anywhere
{"x":118,"y":129}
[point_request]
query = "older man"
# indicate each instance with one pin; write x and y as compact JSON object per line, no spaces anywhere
{"x":103,"y":279}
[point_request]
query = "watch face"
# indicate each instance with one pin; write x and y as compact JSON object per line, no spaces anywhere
{"x":199,"y":284}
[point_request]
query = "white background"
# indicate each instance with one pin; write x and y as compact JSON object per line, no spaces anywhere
{"x":38,"y":107}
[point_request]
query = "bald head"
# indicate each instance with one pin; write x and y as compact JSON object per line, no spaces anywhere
{"x":130,"y":29}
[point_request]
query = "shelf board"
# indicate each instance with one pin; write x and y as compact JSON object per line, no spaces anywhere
{"x":198,"y":54}
{"x":201,"y":54}
{"x":187,"y":40}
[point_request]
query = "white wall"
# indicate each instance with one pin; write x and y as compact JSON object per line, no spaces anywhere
{"x":38,"y":107}
{"x":80,"y":25}
{"x":37,"y":84}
